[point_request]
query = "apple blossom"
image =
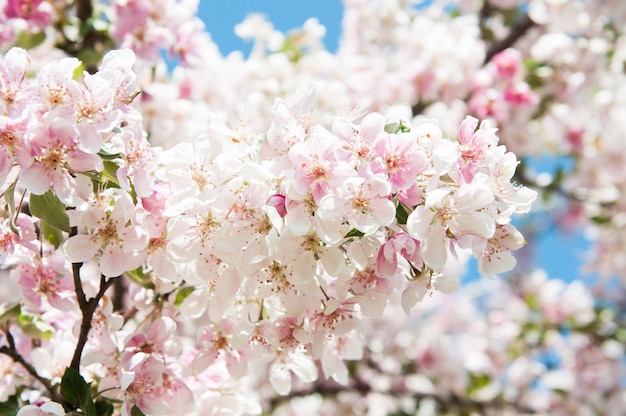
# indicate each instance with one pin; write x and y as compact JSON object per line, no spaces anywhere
{"x":300,"y":196}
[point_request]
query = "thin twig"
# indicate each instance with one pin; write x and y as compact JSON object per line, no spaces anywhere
{"x":517,"y":31}
{"x":11,"y":351}
{"x":87,"y":307}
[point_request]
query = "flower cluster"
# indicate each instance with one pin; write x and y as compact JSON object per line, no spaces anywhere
{"x":247,"y":257}
{"x":273,"y":245}
{"x":529,"y":346}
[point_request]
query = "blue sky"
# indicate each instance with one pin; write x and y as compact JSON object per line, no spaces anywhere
{"x":221,"y":17}
{"x":559,"y":253}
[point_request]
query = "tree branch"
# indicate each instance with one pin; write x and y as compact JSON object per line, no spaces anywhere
{"x":517,"y":31}
{"x":11,"y":351}
{"x":87,"y":307}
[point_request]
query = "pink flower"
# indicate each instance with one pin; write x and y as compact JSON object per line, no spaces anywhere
{"x":13,"y":68}
{"x":451,"y":216}
{"x":46,"y":278}
{"x":51,"y":154}
{"x":26,"y":237}
{"x":316,"y":168}
{"x":475,"y":142}
{"x":114,"y":238}
{"x":520,"y":94}
{"x":277,"y":202}
{"x":11,"y":136}
{"x":399,"y":157}
{"x":216,"y":342}
{"x":159,"y":340}
{"x":55,"y":81}
{"x":36,"y":12}
{"x":46,"y":409}
{"x":358,"y":141}
{"x":400,"y":245}
{"x":142,"y":386}
{"x":507,"y":63}
{"x":296,"y":361}
{"x":364,"y":201}
{"x":495,"y":256}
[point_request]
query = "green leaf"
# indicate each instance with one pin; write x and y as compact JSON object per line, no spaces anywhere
{"x":34,"y":327}
{"x":602,"y":219}
{"x":110,"y":173}
{"x":397,"y":127}
{"x":51,"y":210}
{"x":354,"y":233}
{"x":401,"y":214}
{"x":477,"y":382}
{"x":139,"y":277}
{"x":104,"y":155}
{"x":87,"y":405}
{"x":136,"y":412}
{"x":103,"y":408}
{"x":30,"y":40}
{"x":10,"y":407}
{"x":78,"y":392}
{"x":9,"y":196}
{"x":182,"y":294}
{"x":51,"y":235}
{"x":74,"y":387}
{"x":9,"y":312}
{"x":89,"y":57}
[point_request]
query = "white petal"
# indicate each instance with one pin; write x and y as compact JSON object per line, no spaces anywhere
{"x":412,"y":294}
{"x":280,"y":378}
{"x":476,"y":223}
{"x":304,"y":367}
{"x":474,"y":196}
{"x":127,"y":378}
{"x":446,"y":283}
{"x":81,"y":248}
{"x":434,"y":251}
{"x":114,"y":261}
{"x":418,"y":222}
{"x":236,"y":365}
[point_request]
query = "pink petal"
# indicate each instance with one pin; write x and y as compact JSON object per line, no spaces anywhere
{"x":81,"y":248}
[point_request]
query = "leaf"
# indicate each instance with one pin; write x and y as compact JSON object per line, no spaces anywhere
{"x":477,"y":382}
{"x":104,"y":155}
{"x":87,"y":405}
{"x":34,"y":327}
{"x":30,"y":40}
{"x":136,"y":412}
{"x":10,"y":407}
{"x":397,"y":127}
{"x":401,"y":214}
{"x":109,"y":175}
{"x":182,"y":294}
{"x":103,"y":408}
{"x":74,"y":387}
{"x":139,"y":277}
{"x":10,"y":312}
{"x":51,"y":210}
{"x":354,"y":233}
{"x":9,"y":196}
{"x":51,"y":234}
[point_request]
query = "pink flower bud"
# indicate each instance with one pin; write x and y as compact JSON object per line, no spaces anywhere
{"x":507,"y":63}
{"x":278,"y":201}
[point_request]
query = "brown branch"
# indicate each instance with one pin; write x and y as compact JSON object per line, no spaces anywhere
{"x":517,"y":31}
{"x":87,"y":307}
{"x":11,"y":351}
{"x":89,"y":39}
{"x":84,"y":10}
{"x":418,"y":108}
